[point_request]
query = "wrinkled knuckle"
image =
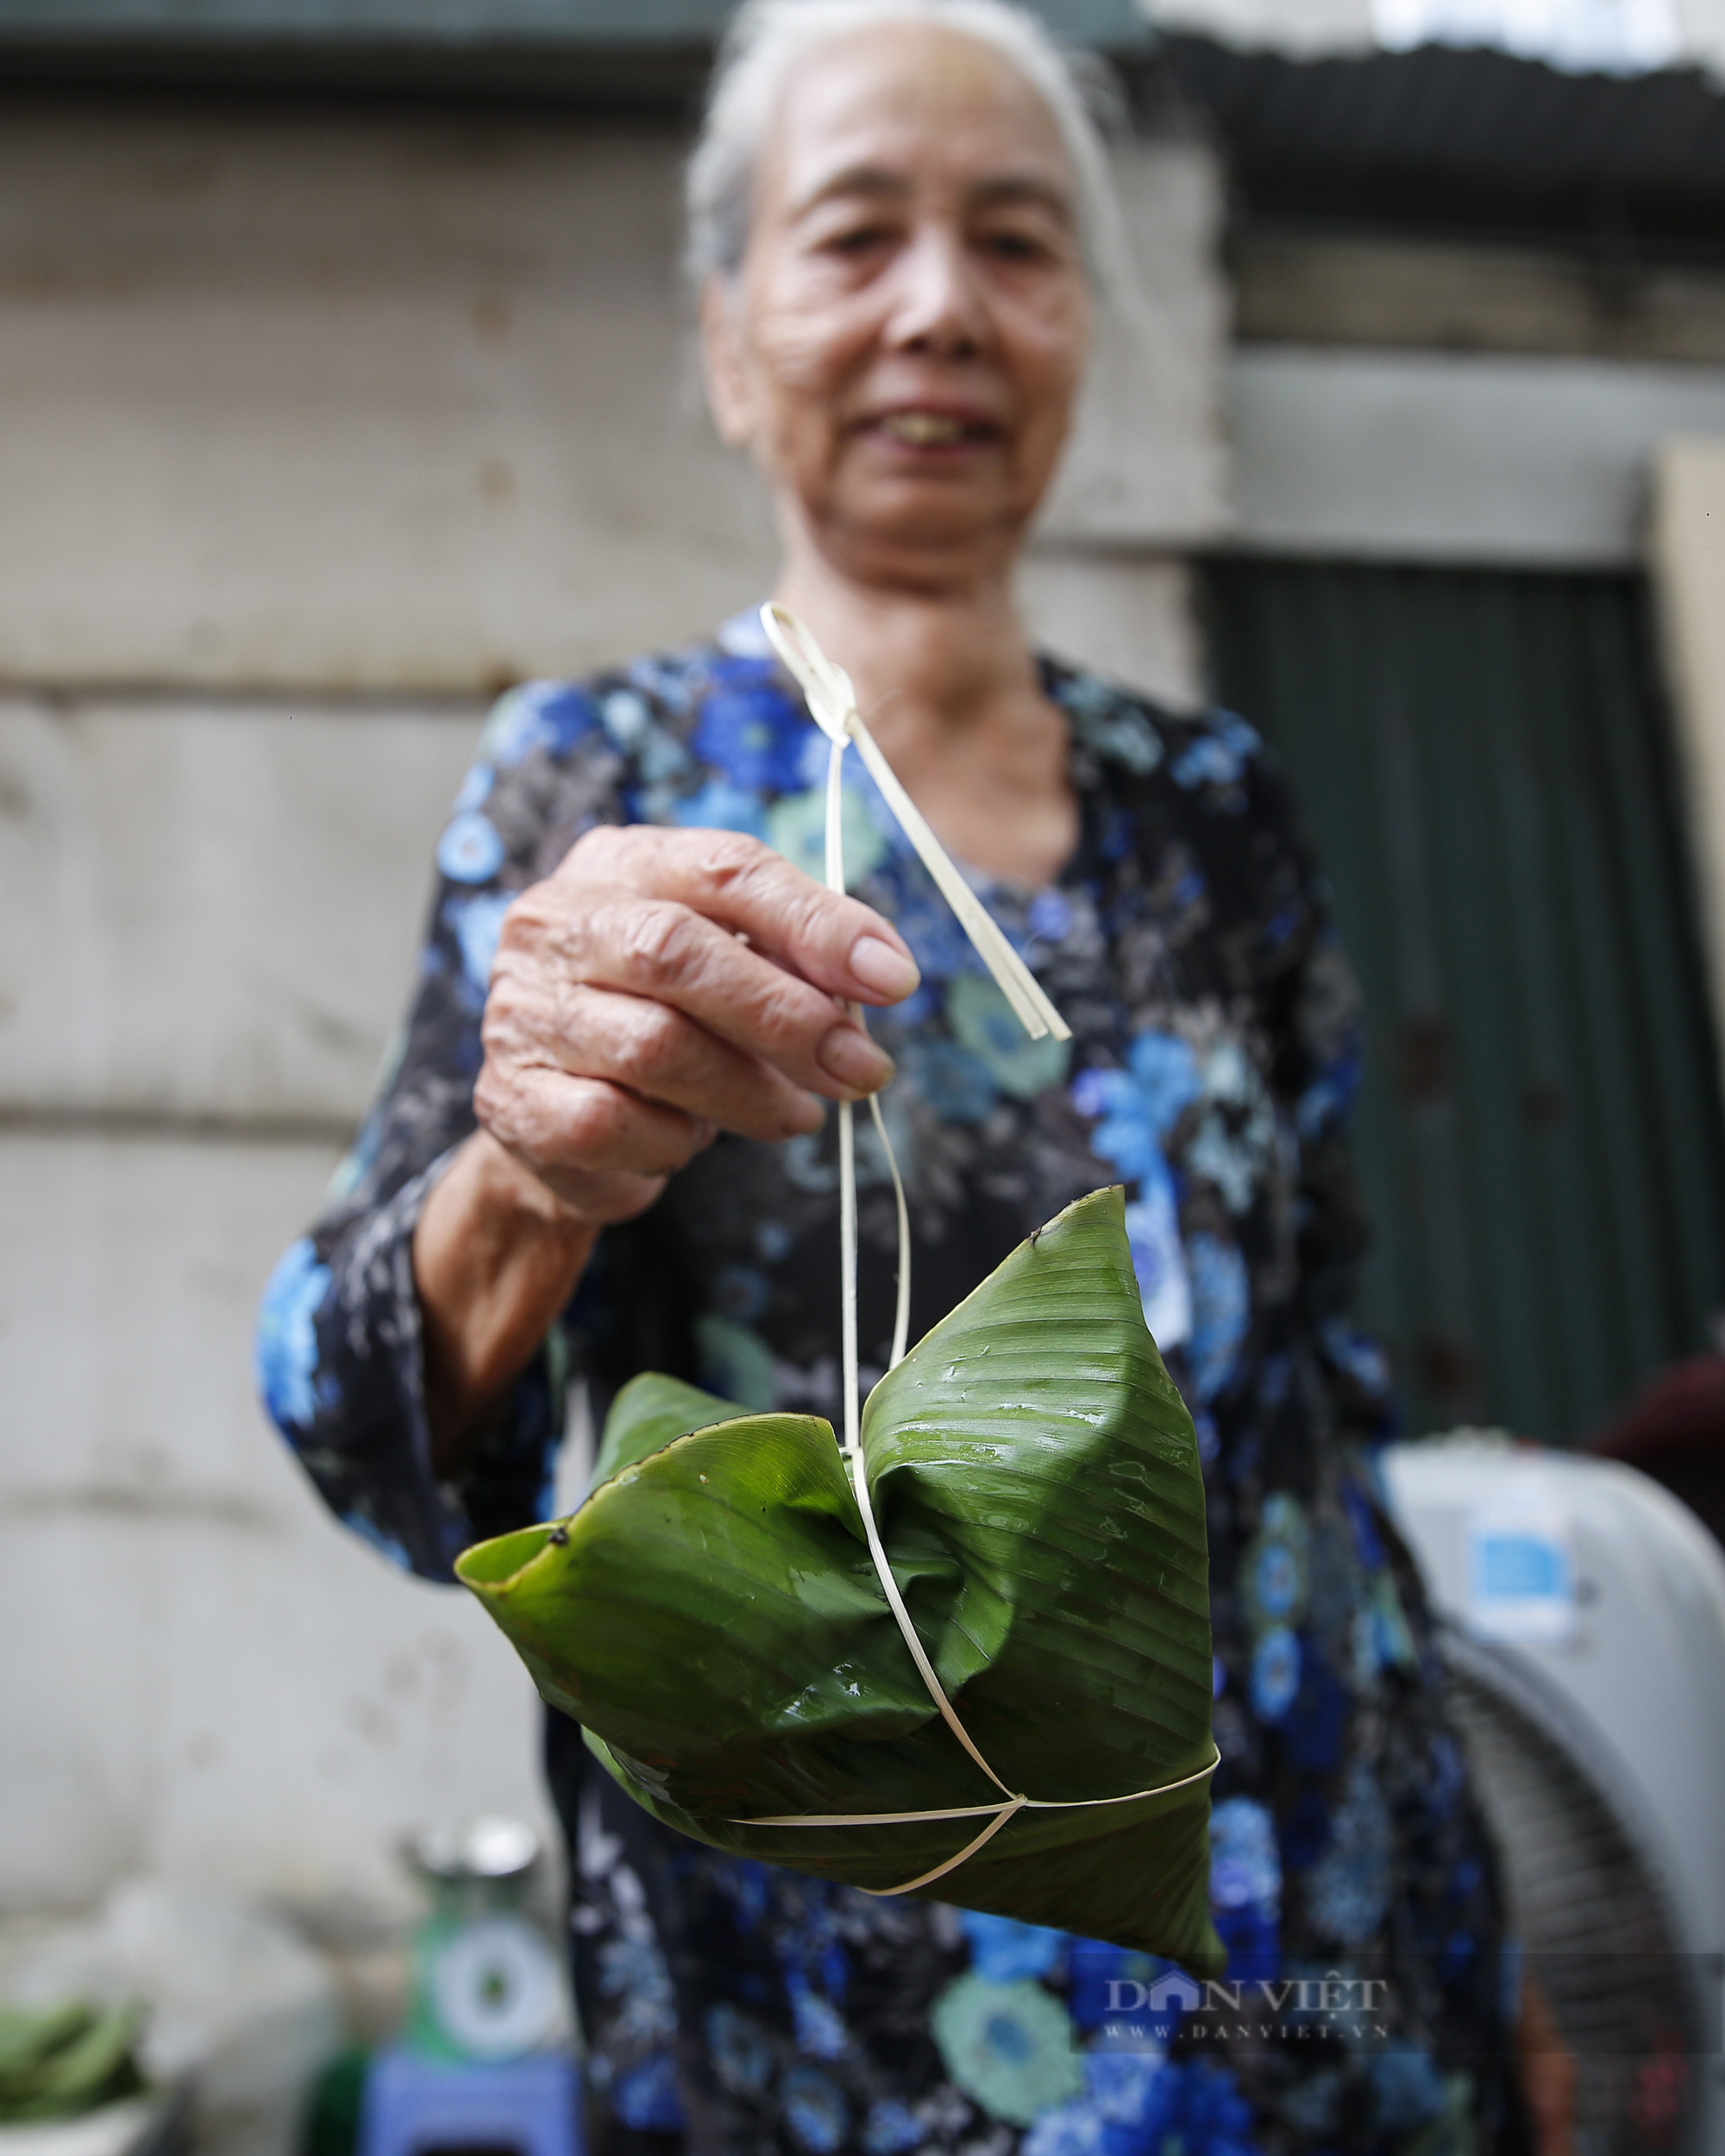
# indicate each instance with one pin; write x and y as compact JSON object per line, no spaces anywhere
{"x":598,"y":848}
{"x":804,"y":912}
{"x":524,"y":923}
{"x":495,"y":1102}
{"x":821,"y":913}
{"x":792,"y":1017}
{"x":501,"y":1025}
{"x":728,"y":858}
{"x":515,"y":1014}
{"x":648,"y":1048}
{"x":756,"y":859}
{"x":658,"y":939}
{"x":595,"y":1123}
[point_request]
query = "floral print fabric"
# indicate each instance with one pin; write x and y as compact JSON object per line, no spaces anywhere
{"x":1214,"y":1061}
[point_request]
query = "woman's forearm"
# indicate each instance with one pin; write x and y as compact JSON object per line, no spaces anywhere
{"x":657,"y":988}
{"x":496,"y":1256}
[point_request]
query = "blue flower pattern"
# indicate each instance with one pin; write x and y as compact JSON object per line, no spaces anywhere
{"x":1214,"y":1059}
{"x":471,"y":849}
{"x":286,"y":1350}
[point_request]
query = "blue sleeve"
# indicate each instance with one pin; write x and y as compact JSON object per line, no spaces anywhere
{"x":339,"y":1354}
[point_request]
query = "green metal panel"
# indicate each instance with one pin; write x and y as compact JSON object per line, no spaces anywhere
{"x":1484,"y":762}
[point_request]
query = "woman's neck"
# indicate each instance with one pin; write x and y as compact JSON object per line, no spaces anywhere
{"x":950,"y":688}
{"x":964,"y":650}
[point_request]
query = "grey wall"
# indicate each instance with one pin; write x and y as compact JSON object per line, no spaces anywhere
{"x":365,"y":401}
{"x":1534,"y":461}
{"x":209,"y":912}
{"x":347,"y":403}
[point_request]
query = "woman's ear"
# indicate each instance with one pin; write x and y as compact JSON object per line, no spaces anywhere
{"x":723,"y":365}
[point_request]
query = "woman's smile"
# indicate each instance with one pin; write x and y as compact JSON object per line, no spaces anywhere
{"x":933,"y":432}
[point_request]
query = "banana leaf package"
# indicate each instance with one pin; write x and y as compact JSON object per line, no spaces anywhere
{"x":964,"y":1652}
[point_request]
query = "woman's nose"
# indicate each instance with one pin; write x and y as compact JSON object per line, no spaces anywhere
{"x":937,"y":305}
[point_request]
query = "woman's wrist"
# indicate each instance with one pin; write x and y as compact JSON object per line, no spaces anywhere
{"x":497,"y":1255}
{"x":506,"y":1196}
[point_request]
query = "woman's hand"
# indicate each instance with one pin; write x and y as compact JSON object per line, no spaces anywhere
{"x":665,"y":985}
{"x":659,"y":987}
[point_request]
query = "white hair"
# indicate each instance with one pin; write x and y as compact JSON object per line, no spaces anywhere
{"x":768,"y":38}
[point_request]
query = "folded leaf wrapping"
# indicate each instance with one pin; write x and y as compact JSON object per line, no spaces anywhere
{"x":712,"y":1617}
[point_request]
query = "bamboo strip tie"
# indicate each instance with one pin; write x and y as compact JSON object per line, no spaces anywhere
{"x":831,"y":701}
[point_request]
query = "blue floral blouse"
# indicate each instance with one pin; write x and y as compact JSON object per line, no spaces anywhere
{"x":737,"y":2009}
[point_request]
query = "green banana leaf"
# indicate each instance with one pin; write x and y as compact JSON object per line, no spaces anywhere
{"x":58,"y":2062}
{"x":712,"y":1618}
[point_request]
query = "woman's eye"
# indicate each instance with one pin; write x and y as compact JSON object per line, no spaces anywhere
{"x":860,"y":239}
{"x":1010,"y":245}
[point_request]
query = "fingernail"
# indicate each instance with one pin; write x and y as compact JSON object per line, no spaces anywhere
{"x":848,"y":1054}
{"x":879,"y":967}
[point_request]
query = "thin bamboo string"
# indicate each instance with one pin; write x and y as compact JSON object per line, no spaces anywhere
{"x":976,"y":1811}
{"x":832,"y":703}
{"x":936,"y":1692}
{"x":847,"y":1124}
{"x":902,"y":1315}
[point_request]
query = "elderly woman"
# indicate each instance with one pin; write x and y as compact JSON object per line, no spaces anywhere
{"x":604,"y":1147}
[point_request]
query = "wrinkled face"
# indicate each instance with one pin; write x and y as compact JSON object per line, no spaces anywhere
{"x":901,"y":348}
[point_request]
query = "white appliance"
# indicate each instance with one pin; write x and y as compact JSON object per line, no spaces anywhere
{"x":1584,"y":1615}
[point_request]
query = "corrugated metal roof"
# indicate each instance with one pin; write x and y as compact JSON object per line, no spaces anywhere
{"x":647,"y":46}
{"x":1465,"y":141}
{"x":1484,"y":760}
{"x":409,"y":21}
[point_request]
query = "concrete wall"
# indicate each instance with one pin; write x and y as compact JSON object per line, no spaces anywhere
{"x":209,"y":904}
{"x":203,"y":1676}
{"x":314,"y":428}
{"x":210,"y":912}
{"x":349,"y":401}
{"x":375,"y":402}
{"x":1432,"y":456}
